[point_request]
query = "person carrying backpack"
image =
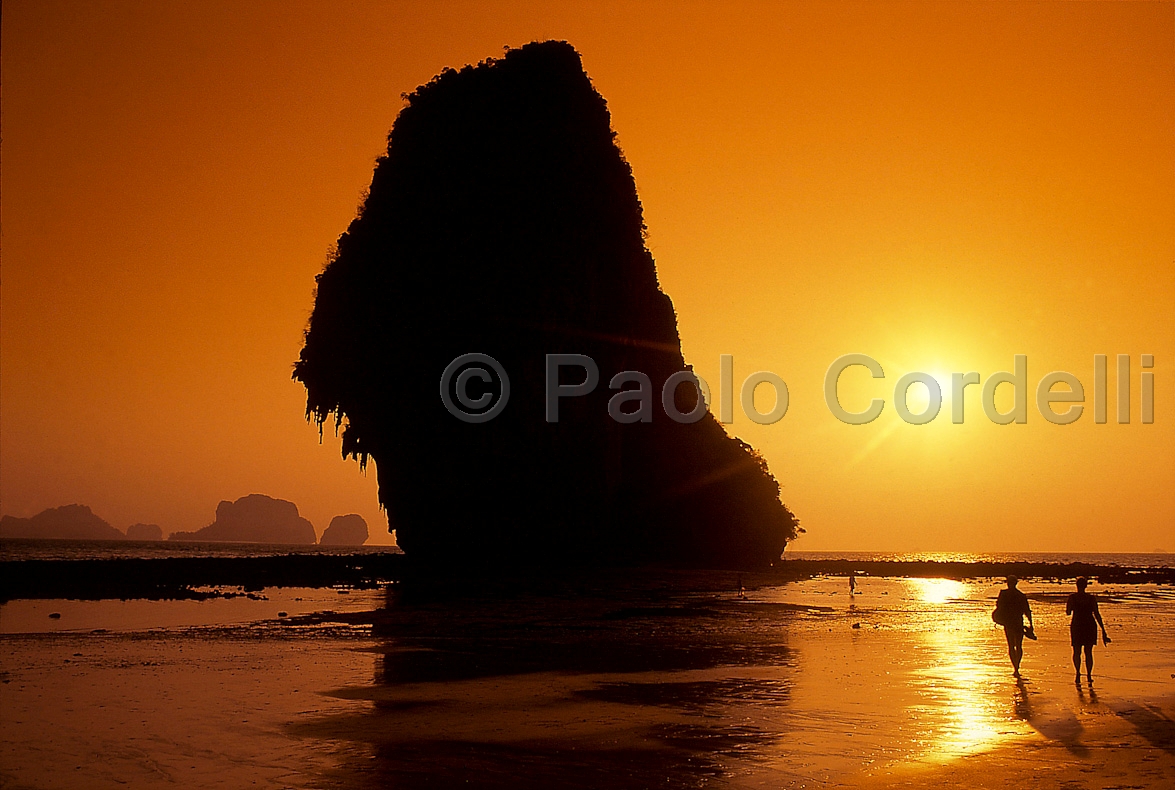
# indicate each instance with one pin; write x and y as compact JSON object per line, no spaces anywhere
{"x":1011,"y":607}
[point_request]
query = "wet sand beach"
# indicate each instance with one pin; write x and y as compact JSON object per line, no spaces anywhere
{"x":653,"y":681}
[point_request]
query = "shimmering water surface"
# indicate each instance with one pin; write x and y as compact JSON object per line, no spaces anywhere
{"x":22,"y":549}
{"x":1156,"y":559}
{"x":632,"y":684}
{"x":19,"y":549}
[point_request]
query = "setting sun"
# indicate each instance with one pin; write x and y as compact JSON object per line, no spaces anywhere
{"x":523,"y":395}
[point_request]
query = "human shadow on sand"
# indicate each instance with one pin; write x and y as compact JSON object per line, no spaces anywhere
{"x":1059,"y":726}
{"x":1151,"y":723}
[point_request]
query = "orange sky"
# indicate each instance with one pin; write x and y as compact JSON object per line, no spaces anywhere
{"x":939,"y":185}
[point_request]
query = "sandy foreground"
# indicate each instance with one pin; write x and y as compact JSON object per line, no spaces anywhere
{"x":628,"y":685}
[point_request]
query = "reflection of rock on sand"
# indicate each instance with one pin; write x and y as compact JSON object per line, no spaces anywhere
{"x":664,"y":680}
{"x":593,"y":683}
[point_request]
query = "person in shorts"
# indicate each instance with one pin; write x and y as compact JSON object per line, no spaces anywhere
{"x":1083,"y":627}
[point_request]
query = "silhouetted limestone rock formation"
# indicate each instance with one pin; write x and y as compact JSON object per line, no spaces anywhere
{"x":69,"y":522}
{"x":144,"y":532}
{"x":255,"y":518}
{"x":504,"y":220}
{"x":345,"y":531}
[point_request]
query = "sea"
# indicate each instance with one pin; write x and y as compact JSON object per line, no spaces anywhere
{"x":50,"y":549}
{"x":795,"y":684}
{"x":1159,"y":559}
{"x":22,"y":549}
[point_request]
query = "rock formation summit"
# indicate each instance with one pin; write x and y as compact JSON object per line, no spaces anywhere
{"x":350,"y":530}
{"x":255,"y":518}
{"x":504,"y":220}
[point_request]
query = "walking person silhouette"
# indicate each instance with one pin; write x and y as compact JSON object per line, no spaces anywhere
{"x":1011,"y":607}
{"x":1083,"y":628}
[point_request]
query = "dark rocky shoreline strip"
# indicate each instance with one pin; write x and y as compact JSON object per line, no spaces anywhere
{"x":190,"y":577}
{"x":182,"y":577}
{"x":1104,"y":574}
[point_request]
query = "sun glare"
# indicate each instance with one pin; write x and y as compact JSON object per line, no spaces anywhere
{"x":938,"y":591}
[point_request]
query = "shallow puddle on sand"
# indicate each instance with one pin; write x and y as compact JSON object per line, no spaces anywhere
{"x":25,"y":616}
{"x":693,"y":689}
{"x":912,"y":672}
{"x":186,"y":708}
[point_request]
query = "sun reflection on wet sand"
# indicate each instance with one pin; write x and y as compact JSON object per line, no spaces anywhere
{"x":962,"y":682}
{"x":937,"y":591}
{"x":796,"y":685}
{"x":920,"y":678}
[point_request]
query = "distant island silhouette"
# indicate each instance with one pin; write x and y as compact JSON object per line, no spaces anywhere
{"x":68,"y":522}
{"x":349,"y":530}
{"x":255,"y":518}
{"x":503,"y":219}
{"x":144,"y":532}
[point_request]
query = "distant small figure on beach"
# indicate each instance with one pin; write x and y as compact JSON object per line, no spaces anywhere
{"x":852,"y":582}
{"x":742,"y":592}
{"x":1083,"y":627}
{"x":1011,"y":607}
